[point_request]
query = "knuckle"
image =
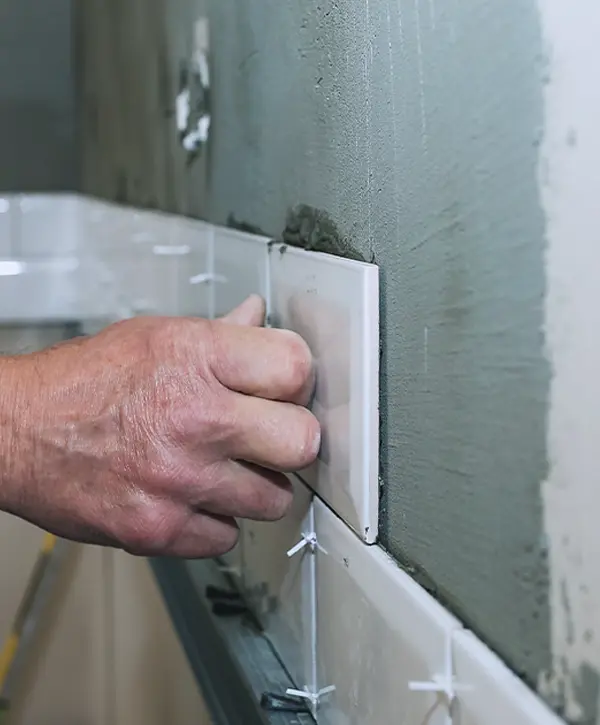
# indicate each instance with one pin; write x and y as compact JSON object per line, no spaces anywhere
{"x":278,"y":504}
{"x":267,"y":503}
{"x":224,"y":541}
{"x":179,"y":338}
{"x":189,"y":423}
{"x":149,"y":532}
{"x":217,"y":422}
{"x":299,"y":365}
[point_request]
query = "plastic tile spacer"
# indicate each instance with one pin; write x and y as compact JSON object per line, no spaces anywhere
{"x":443,"y":684}
{"x":308,"y":541}
{"x":314,"y":698}
{"x":164,"y":250}
{"x":207,"y":277}
{"x":273,"y":702}
{"x":234,"y":571}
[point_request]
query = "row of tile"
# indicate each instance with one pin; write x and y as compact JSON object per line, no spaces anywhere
{"x":363,"y":638}
{"x":94,"y":259}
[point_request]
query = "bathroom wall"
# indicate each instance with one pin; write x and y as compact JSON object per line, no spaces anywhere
{"x":444,"y":141}
{"x":38,"y":124}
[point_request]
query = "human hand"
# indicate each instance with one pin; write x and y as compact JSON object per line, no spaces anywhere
{"x":155,"y":434}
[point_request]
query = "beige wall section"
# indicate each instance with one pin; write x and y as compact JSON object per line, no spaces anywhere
{"x":19,"y":543}
{"x":154,"y":684}
{"x":107,"y":653}
{"x":64,"y":680}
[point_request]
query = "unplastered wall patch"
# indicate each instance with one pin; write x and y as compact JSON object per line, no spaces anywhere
{"x":568,"y":178}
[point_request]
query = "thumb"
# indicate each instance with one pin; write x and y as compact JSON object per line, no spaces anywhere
{"x":250,"y":313}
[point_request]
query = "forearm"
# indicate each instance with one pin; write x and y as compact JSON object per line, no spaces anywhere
{"x":16,"y":400}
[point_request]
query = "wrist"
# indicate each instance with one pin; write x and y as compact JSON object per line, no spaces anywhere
{"x":15,"y":400}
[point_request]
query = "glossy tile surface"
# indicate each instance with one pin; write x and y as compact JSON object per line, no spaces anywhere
{"x":144,"y":283}
{"x":46,"y":225}
{"x":146,"y":259}
{"x":280,"y":589}
{"x":492,"y":694}
{"x":377,"y":631}
{"x":51,"y":290}
{"x":241,"y":268}
{"x":333,"y":304}
{"x":6,"y":211}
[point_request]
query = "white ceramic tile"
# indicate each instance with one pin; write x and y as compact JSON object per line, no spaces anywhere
{"x":146,"y":258}
{"x":241,"y":268}
{"x":47,"y":225}
{"x":52,"y":289}
{"x":6,"y":225}
{"x":489,"y":693}
{"x":280,"y":589}
{"x":334,"y":304}
{"x":377,"y":631}
{"x":104,"y":226}
{"x":193,"y":299}
{"x":140,"y":282}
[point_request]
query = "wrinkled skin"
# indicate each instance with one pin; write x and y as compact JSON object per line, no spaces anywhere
{"x":156,"y":434}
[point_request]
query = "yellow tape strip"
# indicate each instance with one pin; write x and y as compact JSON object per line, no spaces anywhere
{"x":49,"y":542}
{"x":7,"y":656}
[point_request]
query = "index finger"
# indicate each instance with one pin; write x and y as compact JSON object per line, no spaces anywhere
{"x":263,"y":362}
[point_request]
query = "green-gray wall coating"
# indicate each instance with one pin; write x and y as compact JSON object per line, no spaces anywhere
{"x":420,"y":142}
{"x":415,"y":125}
{"x":38,"y":119}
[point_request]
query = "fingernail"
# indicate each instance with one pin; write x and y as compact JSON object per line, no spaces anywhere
{"x":317,"y":442}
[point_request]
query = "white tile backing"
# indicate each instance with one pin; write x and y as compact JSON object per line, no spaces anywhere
{"x":333,"y":303}
{"x":280,"y":589}
{"x":377,"y":631}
